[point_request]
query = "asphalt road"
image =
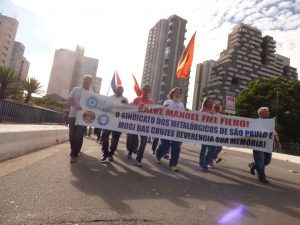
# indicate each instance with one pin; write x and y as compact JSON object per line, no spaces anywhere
{"x":44,"y":188}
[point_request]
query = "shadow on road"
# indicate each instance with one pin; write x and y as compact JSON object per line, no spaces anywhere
{"x":120,"y":182}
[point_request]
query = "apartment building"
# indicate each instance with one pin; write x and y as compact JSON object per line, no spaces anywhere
{"x":164,"y":48}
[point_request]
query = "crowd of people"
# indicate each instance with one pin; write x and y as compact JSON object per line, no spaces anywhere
{"x":136,"y":144}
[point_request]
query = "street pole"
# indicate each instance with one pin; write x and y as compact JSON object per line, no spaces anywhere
{"x":276,"y":118}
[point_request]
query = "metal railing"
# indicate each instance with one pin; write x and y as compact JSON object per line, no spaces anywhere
{"x":20,"y":113}
{"x":290,"y":148}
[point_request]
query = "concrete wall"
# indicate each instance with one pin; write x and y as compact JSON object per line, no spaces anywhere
{"x":17,"y":139}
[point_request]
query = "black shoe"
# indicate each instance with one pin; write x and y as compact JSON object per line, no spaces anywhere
{"x":110,"y":158}
{"x":218,"y":160}
{"x":264,"y":181}
{"x":252,"y":170}
{"x":129,"y":156}
{"x":103,"y":158}
{"x":73,"y":159}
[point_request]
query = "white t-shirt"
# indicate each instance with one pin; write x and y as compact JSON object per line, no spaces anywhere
{"x":120,"y":99}
{"x":174,"y":104}
{"x":75,"y":94}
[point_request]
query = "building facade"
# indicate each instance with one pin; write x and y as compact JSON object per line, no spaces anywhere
{"x":8,"y":30}
{"x":24,"y":68}
{"x":68,"y":70}
{"x":164,"y":48}
{"x":18,"y":63}
{"x":248,"y":56}
{"x":203,"y":76}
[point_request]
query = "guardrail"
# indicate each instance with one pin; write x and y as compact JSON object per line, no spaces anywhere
{"x":20,"y":113}
{"x":290,"y":148}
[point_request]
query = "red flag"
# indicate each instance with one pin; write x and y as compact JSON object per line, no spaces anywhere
{"x":137,"y":88}
{"x":186,"y":59}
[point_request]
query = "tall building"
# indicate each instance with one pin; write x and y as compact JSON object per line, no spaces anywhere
{"x":68,"y":70}
{"x":8,"y":30}
{"x":97,"y":84}
{"x":203,"y":76}
{"x":24,"y":68}
{"x":18,"y":62}
{"x":16,"y":56}
{"x":248,"y":56}
{"x":164,"y":48}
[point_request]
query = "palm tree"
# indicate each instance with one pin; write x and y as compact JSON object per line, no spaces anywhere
{"x":30,"y":85}
{"x":7,"y":78}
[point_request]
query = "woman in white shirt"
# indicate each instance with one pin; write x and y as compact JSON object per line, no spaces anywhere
{"x":174,"y":101}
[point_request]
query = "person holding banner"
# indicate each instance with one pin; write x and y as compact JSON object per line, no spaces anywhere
{"x":207,"y":151}
{"x":174,"y":101}
{"x":262,"y":159}
{"x":217,"y":110}
{"x":76,"y":132}
{"x":132,"y":139}
{"x":117,"y":97}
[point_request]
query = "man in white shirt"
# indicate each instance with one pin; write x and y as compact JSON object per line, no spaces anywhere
{"x":118,"y":96}
{"x":76,"y":132}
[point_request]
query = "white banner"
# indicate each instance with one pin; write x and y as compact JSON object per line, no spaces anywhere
{"x":185,"y":126}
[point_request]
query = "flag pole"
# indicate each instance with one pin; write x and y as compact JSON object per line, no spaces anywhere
{"x":108,"y":90}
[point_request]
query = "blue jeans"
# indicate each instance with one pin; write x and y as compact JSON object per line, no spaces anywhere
{"x":141,"y":150}
{"x":154,"y":144}
{"x":175,"y":150}
{"x":132,"y":143}
{"x":261,"y":160}
{"x":217,"y":151}
{"x":114,"y":142}
{"x":206,"y":155}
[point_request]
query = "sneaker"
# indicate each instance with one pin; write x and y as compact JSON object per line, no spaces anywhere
{"x":252,"y":170}
{"x":73,"y":159}
{"x":218,"y":160}
{"x":264,"y":181}
{"x":110,"y":158}
{"x":158,"y":161}
{"x":211,"y":165}
{"x":129,"y":156}
{"x":138,"y":164}
{"x":174,"y":168}
{"x":166,"y":156}
{"x":203,"y":169}
{"x":103,"y":158}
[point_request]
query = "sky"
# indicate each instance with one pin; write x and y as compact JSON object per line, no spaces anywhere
{"x":116,"y":31}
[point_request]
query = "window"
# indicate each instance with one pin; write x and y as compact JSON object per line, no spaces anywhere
{"x":235,"y":81}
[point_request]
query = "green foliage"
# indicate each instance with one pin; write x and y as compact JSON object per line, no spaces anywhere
{"x":7,"y":79}
{"x":30,"y":85}
{"x":50,"y":103}
{"x":283,"y":99}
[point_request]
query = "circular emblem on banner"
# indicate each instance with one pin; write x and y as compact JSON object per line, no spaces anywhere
{"x":103,"y":119}
{"x":88,"y":117}
{"x":92,"y":102}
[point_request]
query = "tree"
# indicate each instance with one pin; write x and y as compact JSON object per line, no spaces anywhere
{"x":283,"y":99}
{"x":7,"y":78}
{"x":30,"y":85}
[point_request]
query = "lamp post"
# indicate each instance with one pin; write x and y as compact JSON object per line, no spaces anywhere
{"x":276,"y":117}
